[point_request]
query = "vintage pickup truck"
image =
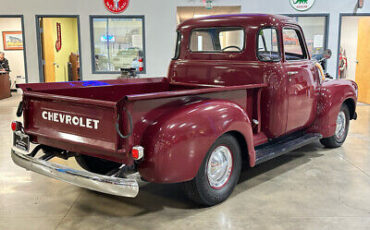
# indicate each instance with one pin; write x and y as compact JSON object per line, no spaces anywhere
{"x":240,"y":87}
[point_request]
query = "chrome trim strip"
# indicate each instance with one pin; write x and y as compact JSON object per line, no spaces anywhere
{"x":106,"y":184}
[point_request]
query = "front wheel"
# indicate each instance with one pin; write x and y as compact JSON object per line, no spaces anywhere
{"x":218,"y":174}
{"x":341,"y":129}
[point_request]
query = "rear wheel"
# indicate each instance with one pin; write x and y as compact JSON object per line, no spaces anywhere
{"x":96,"y":165}
{"x":341,"y":129}
{"x":218,"y":174}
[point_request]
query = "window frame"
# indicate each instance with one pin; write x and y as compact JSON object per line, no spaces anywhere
{"x":278,"y":41}
{"x":178,"y":45}
{"x":302,"y":43}
{"x":326,"y":33}
{"x":92,"y":38}
{"x":218,"y":52}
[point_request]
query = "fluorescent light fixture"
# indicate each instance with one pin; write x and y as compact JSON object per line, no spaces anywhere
{"x":200,"y":15}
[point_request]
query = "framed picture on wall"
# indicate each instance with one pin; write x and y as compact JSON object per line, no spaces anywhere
{"x":13,"y":40}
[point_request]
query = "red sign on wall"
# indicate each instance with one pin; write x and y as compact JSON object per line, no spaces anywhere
{"x":58,"y":43}
{"x":116,"y":6}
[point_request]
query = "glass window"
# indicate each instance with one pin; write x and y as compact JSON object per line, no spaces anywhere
{"x":217,"y":40}
{"x":268,"y":46}
{"x":118,"y":42}
{"x":314,"y":29}
{"x":292,"y":45}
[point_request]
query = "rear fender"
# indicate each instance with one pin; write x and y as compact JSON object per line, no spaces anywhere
{"x":177,"y":143}
{"x":333,"y":95}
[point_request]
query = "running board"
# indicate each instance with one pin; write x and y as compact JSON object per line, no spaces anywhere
{"x":270,"y":151}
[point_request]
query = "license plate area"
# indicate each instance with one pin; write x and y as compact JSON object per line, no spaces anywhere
{"x":21,"y":141}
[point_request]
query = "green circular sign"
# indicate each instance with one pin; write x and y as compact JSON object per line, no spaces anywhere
{"x":302,"y":5}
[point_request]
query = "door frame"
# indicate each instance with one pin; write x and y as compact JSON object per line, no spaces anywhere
{"x":39,"y":43}
{"x":341,"y":15}
{"x":24,"y":41}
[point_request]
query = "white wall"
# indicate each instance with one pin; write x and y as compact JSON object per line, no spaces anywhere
{"x":160,"y":24}
{"x":160,"y":18}
{"x":15,"y":57}
{"x":349,"y":38}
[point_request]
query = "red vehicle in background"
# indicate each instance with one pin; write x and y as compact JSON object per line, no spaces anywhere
{"x":237,"y":89}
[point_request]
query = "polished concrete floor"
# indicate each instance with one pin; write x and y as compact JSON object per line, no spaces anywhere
{"x":311,"y":188}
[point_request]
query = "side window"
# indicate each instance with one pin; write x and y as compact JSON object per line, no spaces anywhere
{"x":217,"y":40}
{"x":268,"y":45}
{"x":293,"y":45}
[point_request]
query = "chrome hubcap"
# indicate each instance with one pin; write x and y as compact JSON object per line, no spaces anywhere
{"x":341,"y":125}
{"x":219,"y":167}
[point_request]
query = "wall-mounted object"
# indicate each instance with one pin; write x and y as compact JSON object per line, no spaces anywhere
{"x":116,"y":6}
{"x":13,"y":40}
{"x":302,"y":5}
{"x":58,"y":43}
{"x":208,"y":4}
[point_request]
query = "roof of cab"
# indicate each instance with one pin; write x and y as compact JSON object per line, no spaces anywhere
{"x":236,"y":19}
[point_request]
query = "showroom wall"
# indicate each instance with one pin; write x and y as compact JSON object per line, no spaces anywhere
{"x":15,"y":57}
{"x":160,"y":24}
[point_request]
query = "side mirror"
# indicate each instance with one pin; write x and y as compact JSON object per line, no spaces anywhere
{"x":328,"y":76}
{"x":327,"y":54}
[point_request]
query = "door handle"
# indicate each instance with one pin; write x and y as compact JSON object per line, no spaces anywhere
{"x":292,"y":73}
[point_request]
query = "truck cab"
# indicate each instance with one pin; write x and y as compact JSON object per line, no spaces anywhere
{"x":239,"y":88}
{"x":253,"y":49}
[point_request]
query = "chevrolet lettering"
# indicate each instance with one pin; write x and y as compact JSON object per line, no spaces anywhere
{"x":70,"y":120}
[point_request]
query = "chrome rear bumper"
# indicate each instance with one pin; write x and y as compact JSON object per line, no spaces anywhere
{"x":106,"y":184}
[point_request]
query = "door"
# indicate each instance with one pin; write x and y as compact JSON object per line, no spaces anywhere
{"x":12,"y":45}
{"x":48,"y":58}
{"x":300,"y":81}
{"x":363,"y":60}
{"x":60,"y":48}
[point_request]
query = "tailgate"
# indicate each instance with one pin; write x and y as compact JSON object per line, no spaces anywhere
{"x":80,"y":125}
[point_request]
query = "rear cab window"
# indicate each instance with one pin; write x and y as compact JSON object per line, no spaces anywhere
{"x":217,"y":40}
{"x":294,"y":48}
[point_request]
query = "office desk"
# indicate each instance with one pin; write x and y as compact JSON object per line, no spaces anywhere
{"x":4,"y":85}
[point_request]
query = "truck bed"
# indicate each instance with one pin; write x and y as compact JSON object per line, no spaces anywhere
{"x":83,"y":117}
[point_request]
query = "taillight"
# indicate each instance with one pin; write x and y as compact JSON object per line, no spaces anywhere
{"x":137,"y":152}
{"x":16,"y":125}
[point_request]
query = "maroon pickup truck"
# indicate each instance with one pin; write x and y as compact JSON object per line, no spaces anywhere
{"x":240,"y":87}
